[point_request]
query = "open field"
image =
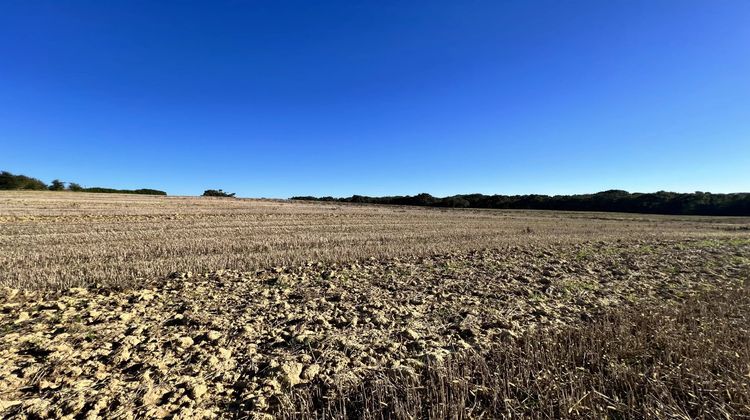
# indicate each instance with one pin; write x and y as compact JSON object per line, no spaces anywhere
{"x":59,"y":240}
{"x":129,"y":306}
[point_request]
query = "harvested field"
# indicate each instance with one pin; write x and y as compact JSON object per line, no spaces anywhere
{"x":200,"y":308}
{"x":685,"y":359}
{"x":59,"y":240}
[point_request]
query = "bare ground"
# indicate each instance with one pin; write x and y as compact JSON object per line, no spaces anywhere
{"x":278,"y":341}
{"x":54,"y":240}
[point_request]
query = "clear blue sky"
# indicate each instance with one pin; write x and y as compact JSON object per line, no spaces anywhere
{"x":281,"y":98}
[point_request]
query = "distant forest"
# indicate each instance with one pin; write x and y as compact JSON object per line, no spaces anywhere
{"x":662,"y":202}
{"x":8,"y":181}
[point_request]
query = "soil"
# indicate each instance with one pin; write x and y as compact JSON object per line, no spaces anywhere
{"x":229,"y":343}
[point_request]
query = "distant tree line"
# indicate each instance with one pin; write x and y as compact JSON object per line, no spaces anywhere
{"x":9,"y":181}
{"x":662,"y":202}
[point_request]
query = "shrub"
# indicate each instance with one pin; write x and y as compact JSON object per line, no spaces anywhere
{"x":8,"y":181}
{"x":57,"y":185}
{"x":217,"y":193}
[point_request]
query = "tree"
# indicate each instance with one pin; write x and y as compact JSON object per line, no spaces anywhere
{"x":72,"y":186}
{"x":8,"y":181}
{"x":57,"y":185}
{"x":423,"y":199}
{"x":455,"y":201}
{"x":660,"y":202}
{"x":217,"y":193}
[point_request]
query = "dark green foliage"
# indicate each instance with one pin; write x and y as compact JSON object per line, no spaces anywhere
{"x":57,"y":185}
{"x":455,"y":201}
{"x":144,"y":191}
{"x":217,"y":193}
{"x":8,"y":181}
{"x":662,"y":202}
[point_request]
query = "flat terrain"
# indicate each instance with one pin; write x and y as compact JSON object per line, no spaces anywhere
{"x":120,"y":306}
{"x":59,"y":240}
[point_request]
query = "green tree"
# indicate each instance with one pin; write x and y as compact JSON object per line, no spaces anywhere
{"x":8,"y":181}
{"x":57,"y":185}
{"x":217,"y":193}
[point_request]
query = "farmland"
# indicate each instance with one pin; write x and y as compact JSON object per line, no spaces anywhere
{"x":121,"y":306}
{"x":60,"y":240}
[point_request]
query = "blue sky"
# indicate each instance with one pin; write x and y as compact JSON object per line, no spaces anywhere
{"x":282,"y":98}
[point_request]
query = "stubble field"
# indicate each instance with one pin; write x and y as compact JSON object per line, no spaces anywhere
{"x":136,"y":306}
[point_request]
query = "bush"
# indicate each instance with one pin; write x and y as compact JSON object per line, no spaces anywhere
{"x":115,"y":191}
{"x":217,"y":193}
{"x":8,"y":181}
{"x":57,"y":185}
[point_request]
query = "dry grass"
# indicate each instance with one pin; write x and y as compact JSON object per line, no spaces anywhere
{"x":687,"y":360}
{"x":58,"y":240}
{"x":366,"y":311}
{"x":308,"y":337}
